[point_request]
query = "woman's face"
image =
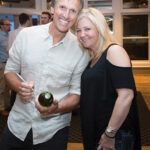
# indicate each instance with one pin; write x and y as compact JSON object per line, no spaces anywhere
{"x":87,"y":34}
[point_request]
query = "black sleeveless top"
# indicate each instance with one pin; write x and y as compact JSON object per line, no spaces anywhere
{"x":98,"y":96}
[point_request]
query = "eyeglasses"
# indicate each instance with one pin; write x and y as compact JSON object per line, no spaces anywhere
{"x":7,"y":24}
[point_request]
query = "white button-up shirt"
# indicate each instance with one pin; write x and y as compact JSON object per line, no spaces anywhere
{"x":55,"y":68}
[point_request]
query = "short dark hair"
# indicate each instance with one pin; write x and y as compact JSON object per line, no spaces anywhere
{"x":23,"y":18}
{"x":47,"y":13}
{"x":53,"y":2}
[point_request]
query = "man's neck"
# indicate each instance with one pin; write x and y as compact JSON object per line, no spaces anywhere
{"x":57,"y":36}
{"x":4,"y":31}
{"x":23,"y":25}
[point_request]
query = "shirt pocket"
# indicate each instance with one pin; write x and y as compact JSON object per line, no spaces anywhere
{"x":58,"y":76}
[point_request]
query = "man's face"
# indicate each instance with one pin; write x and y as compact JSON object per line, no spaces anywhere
{"x":44,"y":19}
{"x":28,"y":24}
{"x":6,"y":26}
{"x":65,"y":14}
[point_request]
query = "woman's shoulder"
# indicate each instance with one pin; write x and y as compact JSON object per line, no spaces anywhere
{"x":118,"y":56}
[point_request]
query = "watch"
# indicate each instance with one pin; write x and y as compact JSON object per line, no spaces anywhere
{"x":111,"y":130}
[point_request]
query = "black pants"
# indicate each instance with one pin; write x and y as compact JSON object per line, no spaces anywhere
{"x":12,"y":98}
{"x":11,"y":142}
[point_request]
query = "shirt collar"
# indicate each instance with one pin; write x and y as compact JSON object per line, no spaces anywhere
{"x":64,"y":41}
{"x":45,"y":30}
{"x":46,"y":34}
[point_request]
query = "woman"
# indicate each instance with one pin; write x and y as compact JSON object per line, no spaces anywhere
{"x":108,"y":106}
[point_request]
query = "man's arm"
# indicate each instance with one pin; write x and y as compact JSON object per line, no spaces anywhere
{"x":23,"y":89}
{"x":66,"y":106}
{"x":70,"y":103}
{"x":12,"y":81}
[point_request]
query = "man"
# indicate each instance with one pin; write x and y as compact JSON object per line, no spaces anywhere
{"x":4,"y":91}
{"x":46,"y":17}
{"x":49,"y":58}
{"x":24,"y":21}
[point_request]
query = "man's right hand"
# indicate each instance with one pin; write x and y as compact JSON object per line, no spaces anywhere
{"x":25,"y":91}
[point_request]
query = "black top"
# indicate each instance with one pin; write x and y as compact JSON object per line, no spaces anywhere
{"x":98,"y":96}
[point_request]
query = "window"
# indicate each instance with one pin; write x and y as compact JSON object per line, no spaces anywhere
{"x":135,"y":36}
{"x":100,"y":4}
{"x":135,"y":25}
{"x":109,"y":20}
{"x":136,"y":48}
{"x":135,"y":4}
{"x":18,"y":3}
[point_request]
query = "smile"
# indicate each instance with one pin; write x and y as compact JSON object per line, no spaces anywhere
{"x":84,"y":40}
{"x":63,"y":21}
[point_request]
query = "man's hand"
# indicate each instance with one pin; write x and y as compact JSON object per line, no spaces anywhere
{"x":25,"y":91}
{"x":47,"y":110}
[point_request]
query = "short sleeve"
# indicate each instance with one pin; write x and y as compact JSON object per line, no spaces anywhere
{"x":121,"y":77}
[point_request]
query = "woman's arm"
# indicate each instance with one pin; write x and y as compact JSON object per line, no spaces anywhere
{"x":118,"y":57}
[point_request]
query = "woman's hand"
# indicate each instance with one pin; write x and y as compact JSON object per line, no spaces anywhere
{"x":106,"y":143}
{"x":47,"y":110}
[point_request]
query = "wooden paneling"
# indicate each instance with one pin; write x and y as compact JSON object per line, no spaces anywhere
{"x":79,"y":146}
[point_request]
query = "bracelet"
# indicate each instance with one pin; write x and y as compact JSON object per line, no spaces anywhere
{"x":110,"y":137}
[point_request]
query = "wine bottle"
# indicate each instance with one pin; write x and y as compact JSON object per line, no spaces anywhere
{"x":45,"y":99}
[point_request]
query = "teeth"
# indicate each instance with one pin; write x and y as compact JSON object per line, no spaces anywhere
{"x":84,"y":40}
{"x":63,"y":21}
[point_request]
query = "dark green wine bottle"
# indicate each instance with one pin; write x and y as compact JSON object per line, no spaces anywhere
{"x":45,"y":99}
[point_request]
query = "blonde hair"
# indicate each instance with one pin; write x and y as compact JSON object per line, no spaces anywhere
{"x":105,"y":36}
